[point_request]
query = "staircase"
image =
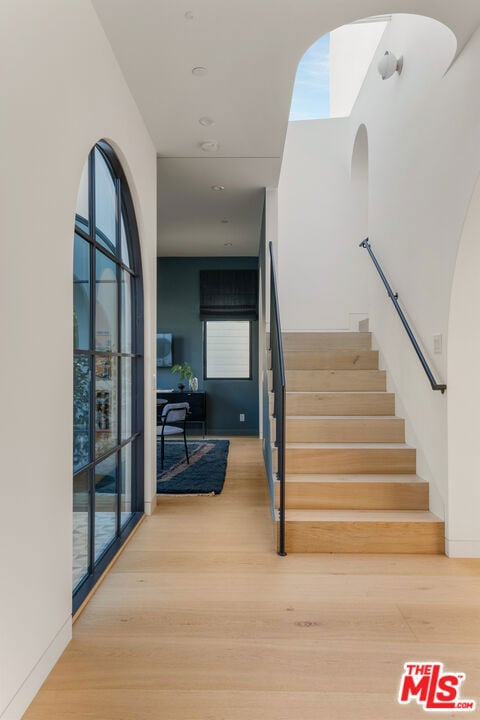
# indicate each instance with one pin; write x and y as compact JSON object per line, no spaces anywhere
{"x":351,"y":483}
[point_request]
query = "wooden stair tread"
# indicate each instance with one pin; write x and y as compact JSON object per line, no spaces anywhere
{"x":338,"y":392}
{"x":336,"y":380}
{"x":383,"y":516}
{"x":374,"y":418}
{"x":353,"y":478}
{"x":300,"y":341}
{"x":349,"y":446}
{"x":326,"y":334}
{"x":335,"y":371}
{"x":353,"y":491}
{"x":343,"y":428}
{"x":331,"y":359}
{"x":339,"y":403}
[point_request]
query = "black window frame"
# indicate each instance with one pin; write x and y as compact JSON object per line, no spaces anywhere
{"x":124,"y":210}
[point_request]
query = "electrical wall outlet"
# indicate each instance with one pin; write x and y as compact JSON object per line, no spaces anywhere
{"x":242,"y":417}
{"x":437,"y":344}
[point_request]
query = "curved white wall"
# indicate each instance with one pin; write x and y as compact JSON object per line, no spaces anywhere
{"x":62,"y":90}
{"x":463,"y":530}
{"x":351,"y":51}
{"x":422,"y":164}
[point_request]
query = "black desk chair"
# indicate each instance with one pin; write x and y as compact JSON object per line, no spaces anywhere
{"x":172,"y":422}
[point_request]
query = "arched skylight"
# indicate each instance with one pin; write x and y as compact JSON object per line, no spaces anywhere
{"x":331,"y":73}
{"x":311,"y":94}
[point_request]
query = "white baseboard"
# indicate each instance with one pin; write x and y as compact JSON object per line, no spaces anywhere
{"x":150,"y":505}
{"x":462,"y":548}
{"x":37,"y":676}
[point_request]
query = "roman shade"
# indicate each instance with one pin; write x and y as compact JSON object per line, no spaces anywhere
{"x":228,"y":294}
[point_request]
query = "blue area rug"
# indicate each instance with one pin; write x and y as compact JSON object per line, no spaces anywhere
{"x":204,"y":476}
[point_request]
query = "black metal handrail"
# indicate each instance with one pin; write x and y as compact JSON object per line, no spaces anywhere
{"x":278,"y":386}
{"x":394,"y":298}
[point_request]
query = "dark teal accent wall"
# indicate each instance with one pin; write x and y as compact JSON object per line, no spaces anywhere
{"x":178,"y":287}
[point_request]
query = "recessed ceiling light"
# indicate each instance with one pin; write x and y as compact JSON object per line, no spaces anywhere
{"x":206,"y":121}
{"x":189,"y":15}
{"x":199,"y":71}
{"x":209,"y":146}
{"x":224,"y":220}
{"x":218,"y":188}
{"x":227,"y":244}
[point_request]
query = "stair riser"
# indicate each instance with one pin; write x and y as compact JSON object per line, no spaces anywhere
{"x":354,"y":496}
{"x":351,"y":430}
{"x":351,"y":460}
{"x":301,"y":341}
{"x":336,"y":380}
{"x":332,"y":360}
{"x":340,"y":404}
{"x":365,"y":537}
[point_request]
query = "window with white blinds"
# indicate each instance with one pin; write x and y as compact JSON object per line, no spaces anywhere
{"x":227,"y":349}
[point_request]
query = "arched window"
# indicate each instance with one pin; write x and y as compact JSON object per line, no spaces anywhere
{"x":107,"y":369}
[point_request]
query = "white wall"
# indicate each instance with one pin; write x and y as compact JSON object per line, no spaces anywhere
{"x":322,"y":274}
{"x":424,"y":158}
{"x":61,"y":91}
{"x":352,"y":48}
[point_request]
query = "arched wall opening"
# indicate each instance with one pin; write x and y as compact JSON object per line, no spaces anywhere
{"x":331,"y":72}
{"x":359,"y":179}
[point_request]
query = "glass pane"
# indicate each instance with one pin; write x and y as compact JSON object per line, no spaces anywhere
{"x":81,"y":527}
{"x":228,"y":349}
{"x":107,"y":305}
{"x":106,"y":403}
{"x":105,"y":504}
{"x":126,"y":484}
{"x":124,"y":245}
{"x":105,"y":204}
{"x":126,"y":281}
{"x":126,"y":415}
{"x":82,"y":384}
{"x":81,"y":294}
{"x":81,"y":216}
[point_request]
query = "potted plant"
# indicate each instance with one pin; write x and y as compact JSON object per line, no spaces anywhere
{"x":185,"y":372}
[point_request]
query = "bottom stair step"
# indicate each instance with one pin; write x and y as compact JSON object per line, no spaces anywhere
{"x":363,"y":531}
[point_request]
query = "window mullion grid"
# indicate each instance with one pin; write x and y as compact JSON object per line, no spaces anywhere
{"x":93,"y":399}
{"x":119,"y":350}
{"x":80,"y":231}
{"x":105,"y":456}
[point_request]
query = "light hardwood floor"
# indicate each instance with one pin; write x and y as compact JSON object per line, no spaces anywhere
{"x":200,"y":620}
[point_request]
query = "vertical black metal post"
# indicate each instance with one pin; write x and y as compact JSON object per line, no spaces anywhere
{"x":278,"y":373}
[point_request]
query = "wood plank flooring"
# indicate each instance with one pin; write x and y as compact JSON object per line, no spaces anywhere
{"x":200,"y":620}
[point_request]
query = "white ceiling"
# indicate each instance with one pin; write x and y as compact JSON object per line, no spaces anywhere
{"x":190,"y":213}
{"x":251,"y":49}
